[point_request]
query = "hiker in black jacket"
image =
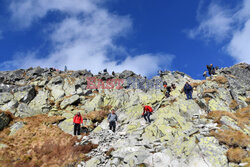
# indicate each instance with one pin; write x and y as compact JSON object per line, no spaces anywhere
{"x":188,"y":90}
{"x":211,"y":69}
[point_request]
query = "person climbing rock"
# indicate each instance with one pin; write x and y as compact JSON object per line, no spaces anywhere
{"x":77,"y":121}
{"x":205,"y":74}
{"x":188,"y":90}
{"x":166,"y":89}
{"x":173,"y":86}
{"x":213,"y":71}
{"x":112,"y":119}
{"x":210,"y":69}
{"x":147,"y":111}
{"x":65,"y":69}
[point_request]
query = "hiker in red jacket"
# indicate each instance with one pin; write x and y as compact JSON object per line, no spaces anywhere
{"x":77,"y":121}
{"x":147,"y":111}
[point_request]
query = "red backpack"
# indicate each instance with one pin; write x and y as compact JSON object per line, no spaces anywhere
{"x":148,"y":108}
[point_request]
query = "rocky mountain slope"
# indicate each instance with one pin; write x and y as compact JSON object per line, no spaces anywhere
{"x":37,"y":107}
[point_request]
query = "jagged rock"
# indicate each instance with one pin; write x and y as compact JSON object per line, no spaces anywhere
{"x":25,"y":94}
{"x":225,"y":120}
{"x":93,"y":162}
{"x":81,"y":73}
{"x":23,"y":110}
{"x":57,"y":91}
{"x":5,"y":97}
{"x":38,"y":71}
{"x":39,"y":104}
{"x":105,"y":76}
{"x":15,"y":127}
{"x":56,"y":80}
{"x":67,"y":126}
{"x":125,"y":74}
{"x":213,"y":152}
{"x":69,"y":87}
{"x":160,"y":159}
{"x":4,"y":120}
{"x":69,"y":101}
{"x":96,"y":102}
{"x":10,"y":106}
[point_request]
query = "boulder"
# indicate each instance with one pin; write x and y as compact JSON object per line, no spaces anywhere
{"x":10,"y":106}
{"x":4,"y":120}
{"x":15,"y":127}
{"x":56,"y":80}
{"x":69,"y":87}
{"x":26,"y":94}
{"x":57,"y":91}
{"x":39,"y":104}
{"x":5,"y":97}
{"x":125,"y":74}
{"x":93,"y":162}
{"x":23,"y":110}
{"x":69,"y":101}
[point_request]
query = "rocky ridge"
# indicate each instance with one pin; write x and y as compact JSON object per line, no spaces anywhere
{"x":210,"y":130}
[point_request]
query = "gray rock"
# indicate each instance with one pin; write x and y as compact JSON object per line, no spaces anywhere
{"x":125,"y":74}
{"x":23,"y":110}
{"x":5,"y":97}
{"x":3,"y":146}
{"x":57,"y":80}
{"x":4,"y":120}
{"x":38,"y":71}
{"x":10,"y":106}
{"x":25,"y":95}
{"x":39,"y":104}
{"x":93,"y":162}
{"x":15,"y":127}
{"x":69,"y":101}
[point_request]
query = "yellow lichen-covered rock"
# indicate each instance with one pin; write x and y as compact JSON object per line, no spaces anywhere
{"x":133,"y":127}
{"x":67,"y":126}
{"x":97,"y":129}
{"x":216,"y":104}
{"x":213,"y":153}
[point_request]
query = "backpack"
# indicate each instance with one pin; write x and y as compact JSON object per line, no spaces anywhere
{"x":148,"y":108}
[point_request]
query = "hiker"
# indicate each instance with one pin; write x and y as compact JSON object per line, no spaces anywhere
{"x":147,"y":111}
{"x":210,"y":69}
{"x":213,"y":71}
{"x":167,"y":89}
{"x":65,"y":69}
{"x":77,"y":121}
{"x":205,"y":74}
{"x":113,"y":73}
{"x":173,"y":86}
{"x":112,"y":119}
{"x":188,"y":90}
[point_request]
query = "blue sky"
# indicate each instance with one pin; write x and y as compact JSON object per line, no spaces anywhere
{"x":139,"y":35}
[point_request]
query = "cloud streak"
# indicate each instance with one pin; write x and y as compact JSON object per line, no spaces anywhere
{"x":228,"y":25}
{"x":85,"y":38}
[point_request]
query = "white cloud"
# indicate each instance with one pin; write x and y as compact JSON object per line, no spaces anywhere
{"x":230,"y":25}
{"x":84,"y":39}
{"x":239,"y":46}
{"x":215,"y":24}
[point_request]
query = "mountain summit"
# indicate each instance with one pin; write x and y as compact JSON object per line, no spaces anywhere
{"x":210,"y":130}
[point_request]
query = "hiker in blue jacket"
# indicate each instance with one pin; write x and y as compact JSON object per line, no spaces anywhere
{"x":188,"y":90}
